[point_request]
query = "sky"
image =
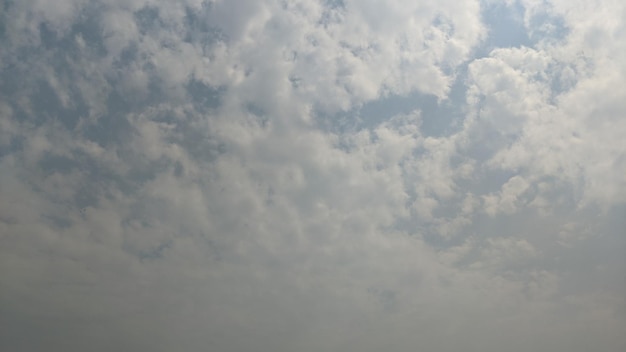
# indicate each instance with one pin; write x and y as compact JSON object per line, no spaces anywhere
{"x":313,"y":175}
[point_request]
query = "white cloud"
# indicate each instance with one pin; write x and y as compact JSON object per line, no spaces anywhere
{"x":167,"y":182}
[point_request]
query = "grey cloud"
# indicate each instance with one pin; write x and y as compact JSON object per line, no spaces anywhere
{"x":311,"y":175}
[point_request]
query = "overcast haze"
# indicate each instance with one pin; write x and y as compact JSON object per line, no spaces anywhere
{"x":313,"y":175}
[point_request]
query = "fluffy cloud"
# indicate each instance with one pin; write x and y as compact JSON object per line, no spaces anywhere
{"x":205,"y":174}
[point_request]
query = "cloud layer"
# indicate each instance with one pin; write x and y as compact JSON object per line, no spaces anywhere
{"x":312,"y":175}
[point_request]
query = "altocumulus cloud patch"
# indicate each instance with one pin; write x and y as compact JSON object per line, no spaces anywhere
{"x":312,"y":175}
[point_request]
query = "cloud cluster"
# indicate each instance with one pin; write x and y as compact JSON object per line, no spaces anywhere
{"x":265,"y":175}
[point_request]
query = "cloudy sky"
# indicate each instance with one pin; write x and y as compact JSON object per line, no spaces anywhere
{"x":313,"y":175}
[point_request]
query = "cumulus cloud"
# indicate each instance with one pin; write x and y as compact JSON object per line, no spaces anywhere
{"x":312,"y":175}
